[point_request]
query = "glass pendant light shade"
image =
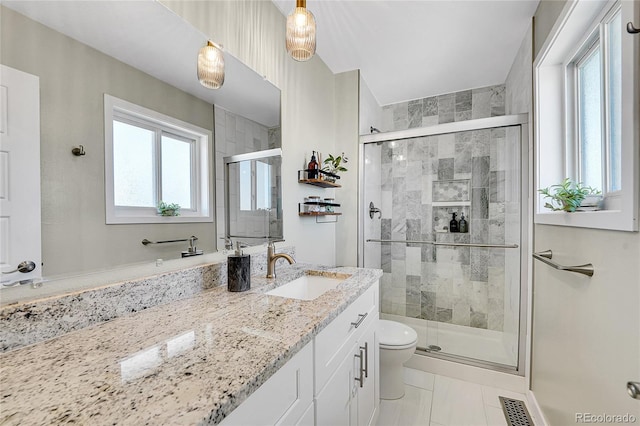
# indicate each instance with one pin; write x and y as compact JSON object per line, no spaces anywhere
{"x":211,"y":66}
{"x":301,"y":33}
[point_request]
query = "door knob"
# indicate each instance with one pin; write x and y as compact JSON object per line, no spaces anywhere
{"x":633,"y":388}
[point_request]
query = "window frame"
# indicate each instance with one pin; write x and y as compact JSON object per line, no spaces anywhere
{"x":557,"y":158}
{"x":201,"y":161}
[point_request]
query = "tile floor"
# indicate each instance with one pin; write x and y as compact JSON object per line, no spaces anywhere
{"x":441,"y":401}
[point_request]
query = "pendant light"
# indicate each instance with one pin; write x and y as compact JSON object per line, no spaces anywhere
{"x":211,"y":66}
{"x":301,"y":32}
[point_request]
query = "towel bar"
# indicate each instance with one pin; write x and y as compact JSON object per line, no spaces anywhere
{"x":545,"y":257}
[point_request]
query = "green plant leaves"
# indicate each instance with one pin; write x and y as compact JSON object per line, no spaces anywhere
{"x":567,"y":195}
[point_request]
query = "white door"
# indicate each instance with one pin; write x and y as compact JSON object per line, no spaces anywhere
{"x":19,"y":174}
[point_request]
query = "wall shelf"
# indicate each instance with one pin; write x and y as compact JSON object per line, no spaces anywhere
{"x":303,"y":177}
{"x":318,"y":214}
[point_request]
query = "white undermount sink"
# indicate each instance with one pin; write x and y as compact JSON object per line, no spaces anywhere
{"x":307,"y":287}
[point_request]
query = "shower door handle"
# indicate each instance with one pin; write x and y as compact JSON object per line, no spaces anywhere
{"x":373,"y":210}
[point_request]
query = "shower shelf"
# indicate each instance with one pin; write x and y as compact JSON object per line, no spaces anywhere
{"x":323,"y":183}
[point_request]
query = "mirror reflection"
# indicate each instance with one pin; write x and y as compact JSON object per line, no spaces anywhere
{"x":145,"y":55}
{"x":253,"y":196}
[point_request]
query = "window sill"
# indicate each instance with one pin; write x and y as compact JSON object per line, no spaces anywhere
{"x":614,"y":220}
{"x":121,"y":220}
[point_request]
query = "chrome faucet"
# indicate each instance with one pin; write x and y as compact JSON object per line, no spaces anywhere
{"x":272,"y":257}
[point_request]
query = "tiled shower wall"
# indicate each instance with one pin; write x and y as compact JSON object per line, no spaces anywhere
{"x":423,"y":181}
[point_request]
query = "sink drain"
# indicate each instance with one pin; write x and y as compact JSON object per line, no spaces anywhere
{"x":515,"y":412}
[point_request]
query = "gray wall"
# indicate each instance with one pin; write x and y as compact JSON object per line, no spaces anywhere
{"x":73,"y":81}
{"x":586,"y":331}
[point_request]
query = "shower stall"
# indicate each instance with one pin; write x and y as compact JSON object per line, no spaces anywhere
{"x":461,"y":291}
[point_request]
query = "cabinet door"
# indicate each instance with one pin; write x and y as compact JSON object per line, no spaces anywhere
{"x":333,"y":404}
{"x":367,"y":398}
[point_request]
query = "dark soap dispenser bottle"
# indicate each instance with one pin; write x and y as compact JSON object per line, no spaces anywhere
{"x":463,"y":226}
{"x":313,"y":167}
{"x":239,"y":270}
{"x":453,"y":225}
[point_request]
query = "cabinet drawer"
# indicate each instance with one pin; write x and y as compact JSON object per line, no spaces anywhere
{"x":334,"y":342}
{"x":283,"y":399}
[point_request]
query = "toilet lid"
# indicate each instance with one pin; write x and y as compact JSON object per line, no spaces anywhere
{"x":392,"y":333}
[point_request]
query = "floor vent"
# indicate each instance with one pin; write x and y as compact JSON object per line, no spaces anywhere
{"x":515,"y":412}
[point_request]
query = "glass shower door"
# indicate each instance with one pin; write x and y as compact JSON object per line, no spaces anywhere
{"x":459,"y":290}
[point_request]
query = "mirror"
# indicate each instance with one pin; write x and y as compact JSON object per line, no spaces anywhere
{"x":253,"y":196}
{"x":143,"y":53}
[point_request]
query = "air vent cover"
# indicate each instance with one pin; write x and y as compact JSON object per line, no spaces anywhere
{"x":515,"y":412}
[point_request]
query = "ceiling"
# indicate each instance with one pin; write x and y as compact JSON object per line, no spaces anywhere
{"x":414,"y":49}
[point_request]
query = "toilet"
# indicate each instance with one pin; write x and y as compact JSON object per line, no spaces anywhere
{"x":397,"y":344}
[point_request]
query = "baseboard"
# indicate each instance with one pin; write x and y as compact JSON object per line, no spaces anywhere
{"x":469,"y":373}
{"x":535,"y":410}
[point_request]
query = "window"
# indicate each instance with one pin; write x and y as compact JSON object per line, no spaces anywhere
{"x":152,"y":157}
{"x":587,"y":107}
{"x":594,"y":105}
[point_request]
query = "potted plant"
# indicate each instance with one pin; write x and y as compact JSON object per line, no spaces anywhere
{"x":333,"y":165}
{"x":567,"y":196}
{"x":168,"y":209}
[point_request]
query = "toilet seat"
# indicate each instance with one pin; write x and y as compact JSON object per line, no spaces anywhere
{"x":395,"y":336}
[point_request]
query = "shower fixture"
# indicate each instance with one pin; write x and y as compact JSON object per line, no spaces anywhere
{"x":374,"y":130}
{"x":373,"y":210}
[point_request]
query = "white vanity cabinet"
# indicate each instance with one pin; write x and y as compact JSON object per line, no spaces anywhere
{"x":346,"y":365}
{"x":343,"y":360}
{"x":285,"y":399}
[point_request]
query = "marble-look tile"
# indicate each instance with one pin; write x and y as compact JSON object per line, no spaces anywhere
{"x":398,"y":274}
{"x":479,"y":297}
{"x":481,"y":143}
{"x":431,"y":120}
{"x":497,"y":257}
{"x":444,"y":315}
{"x":427,"y":252}
{"x":446,"y":145}
{"x":412,"y":310}
{"x":399,"y":166}
{"x":399,"y":194}
{"x":387,"y":118}
{"x":416,"y":149}
{"x":426,"y":193}
{"x":386,"y":203}
{"x":461,"y":313}
{"x":385,"y":229}
{"x":480,"y":172}
{"x":497,"y":100}
{"x":479,"y":264}
{"x":481,"y":103}
{"x":414,"y":175}
{"x":496,"y":230}
{"x":428,"y":305}
{"x":430,"y":106}
{"x":463,"y":100}
{"x":451,"y":190}
{"x":498,"y":154}
{"x":386,"y":153}
{"x":415,"y":113}
{"x":446,"y":108}
{"x":462,"y":115}
{"x":413,"y":263}
{"x":398,"y":251}
{"x":456,"y":402}
{"x":478,"y":319}
{"x":445,"y":169}
{"x":414,"y":229}
{"x":463,"y":151}
{"x":385,"y":257}
{"x":479,"y":203}
{"x":496,"y":186}
{"x":400,"y":111}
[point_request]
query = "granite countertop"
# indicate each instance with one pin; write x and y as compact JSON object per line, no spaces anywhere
{"x":187,"y":362}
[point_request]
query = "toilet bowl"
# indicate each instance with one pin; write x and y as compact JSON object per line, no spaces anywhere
{"x":397,"y":344}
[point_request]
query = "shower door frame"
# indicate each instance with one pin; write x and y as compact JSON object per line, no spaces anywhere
{"x":526,"y":229}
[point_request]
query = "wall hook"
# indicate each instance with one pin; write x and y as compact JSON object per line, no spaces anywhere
{"x":78,"y":151}
{"x":631,"y":29}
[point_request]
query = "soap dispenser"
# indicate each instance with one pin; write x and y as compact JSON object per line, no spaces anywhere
{"x":463,"y":226}
{"x":453,"y":225}
{"x":239,"y":270}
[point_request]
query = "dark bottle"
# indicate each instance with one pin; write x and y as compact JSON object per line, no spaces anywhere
{"x":463,"y":225}
{"x":313,"y":167}
{"x":453,"y":225}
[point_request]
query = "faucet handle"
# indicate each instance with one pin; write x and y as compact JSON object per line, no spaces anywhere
{"x":228,"y":243}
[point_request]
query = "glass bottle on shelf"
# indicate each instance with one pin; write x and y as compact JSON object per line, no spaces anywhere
{"x":453,"y":224}
{"x":313,"y":167}
{"x":463,"y":226}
